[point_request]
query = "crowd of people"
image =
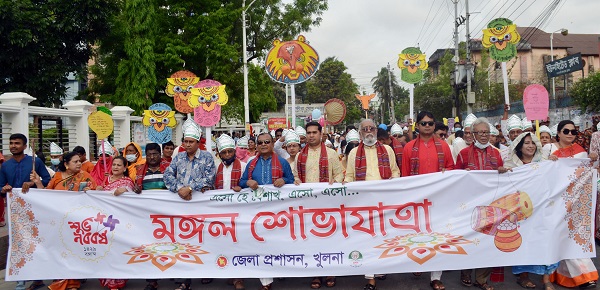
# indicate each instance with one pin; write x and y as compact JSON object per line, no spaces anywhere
{"x":305,"y":155}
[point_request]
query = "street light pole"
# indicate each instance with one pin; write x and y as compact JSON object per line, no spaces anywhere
{"x":563,"y":32}
{"x":245,"y":61}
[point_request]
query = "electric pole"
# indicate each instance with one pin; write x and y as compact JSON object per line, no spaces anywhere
{"x":456,"y":58}
{"x":470,"y":95}
{"x":392,"y":113}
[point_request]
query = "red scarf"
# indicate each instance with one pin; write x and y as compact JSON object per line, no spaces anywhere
{"x":99,"y":173}
{"x":323,"y":164}
{"x":164,"y":163}
{"x":276,"y":169}
{"x":397,"y":147}
{"x":490,"y":162}
{"x":414,"y":158}
{"x":569,"y":151}
{"x":383,"y":162}
{"x":236,"y":174}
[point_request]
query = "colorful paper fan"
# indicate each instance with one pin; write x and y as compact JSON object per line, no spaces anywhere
{"x":335,"y":111}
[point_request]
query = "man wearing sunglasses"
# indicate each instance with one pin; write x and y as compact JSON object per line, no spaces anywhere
{"x":266,"y":168}
{"x":427,"y":154}
{"x":364,"y":164}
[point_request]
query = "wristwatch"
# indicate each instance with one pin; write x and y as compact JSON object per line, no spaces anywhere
{"x":191,"y":189}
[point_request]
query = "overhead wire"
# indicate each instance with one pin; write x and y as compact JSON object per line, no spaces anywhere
{"x":426,"y":18}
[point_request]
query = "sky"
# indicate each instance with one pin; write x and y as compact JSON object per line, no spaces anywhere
{"x":368,"y":34}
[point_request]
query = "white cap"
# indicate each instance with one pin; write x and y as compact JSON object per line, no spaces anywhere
{"x":396,"y":129}
{"x":55,"y":149}
{"x":493,"y":131}
{"x":285,"y":131}
{"x":327,"y":142}
{"x":272,"y":133}
{"x":291,"y":137}
{"x":225,"y":142}
{"x":352,"y":135}
{"x":242,"y":142}
{"x":108,"y":149}
{"x":577,"y":121}
{"x":404,"y":129}
{"x":554,"y":130}
{"x":545,"y":128}
{"x":514,"y":122}
{"x":301,"y":131}
{"x":468,"y":121}
{"x":526,"y":124}
{"x":191,"y":129}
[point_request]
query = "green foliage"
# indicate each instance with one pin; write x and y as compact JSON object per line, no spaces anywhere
{"x":205,"y":37}
{"x":586,"y":92}
{"x":41,"y":42}
{"x":332,"y":81}
{"x":381,"y":85}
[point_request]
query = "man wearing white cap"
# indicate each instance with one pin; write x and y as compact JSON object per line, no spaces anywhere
{"x":292,"y":147}
{"x":278,"y":147}
{"x":302,"y":134}
{"x":545,"y":135}
{"x":229,"y":168}
{"x":461,"y":143}
{"x":55,"y":156}
{"x":190,"y":171}
{"x":514,"y":127}
{"x":526,"y":125}
{"x":494,"y":133}
{"x":352,"y":141}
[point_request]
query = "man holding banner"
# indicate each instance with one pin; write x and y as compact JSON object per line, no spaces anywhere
{"x":371,"y":160}
{"x":427,"y":154}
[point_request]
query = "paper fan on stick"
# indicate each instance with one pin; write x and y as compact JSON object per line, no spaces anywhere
{"x":335,"y":111}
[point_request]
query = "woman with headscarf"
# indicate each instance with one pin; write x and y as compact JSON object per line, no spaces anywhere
{"x":103,"y":166}
{"x":526,"y":149}
{"x":571,"y":272}
{"x":133,"y":155}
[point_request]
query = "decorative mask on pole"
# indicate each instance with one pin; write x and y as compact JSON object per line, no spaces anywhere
{"x":501,"y":37}
{"x":412,"y":63}
{"x":160,"y":120}
{"x":292,"y":62}
{"x":207,"y":98}
{"x":178,"y":86}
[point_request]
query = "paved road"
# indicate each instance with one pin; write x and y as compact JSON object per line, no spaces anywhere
{"x":394,"y":281}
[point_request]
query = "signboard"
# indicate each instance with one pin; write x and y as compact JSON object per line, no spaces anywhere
{"x":304,"y":110}
{"x":410,"y":224}
{"x":276,"y":123}
{"x":564,"y":65}
{"x":535,"y":102}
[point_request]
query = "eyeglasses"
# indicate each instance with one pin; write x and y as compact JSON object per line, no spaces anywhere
{"x":443,"y":135}
{"x":573,"y":132}
{"x":266,"y":142}
{"x":368,"y":129}
{"x":430,"y":123}
{"x":482,"y":133}
{"x":396,"y":136}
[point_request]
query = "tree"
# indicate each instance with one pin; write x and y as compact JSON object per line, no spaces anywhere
{"x":136,"y":79}
{"x":434,"y":94}
{"x":205,"y":37}
{"x":586,"y":92}
{"x":332,"y":81}
{"x":381,"y":85}
{"x":41,"y":42}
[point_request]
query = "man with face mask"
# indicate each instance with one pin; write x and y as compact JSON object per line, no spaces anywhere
{"x":229,"y":168}
{"x":55,"y":156}
{"x":463,"y":142}
{"x":514,"y":128}
{"x":302,"y":134}
{"x":479,"y":155}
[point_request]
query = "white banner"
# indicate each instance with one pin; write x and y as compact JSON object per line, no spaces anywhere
{"x":536,"y":214}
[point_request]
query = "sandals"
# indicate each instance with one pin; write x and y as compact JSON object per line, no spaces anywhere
{"x":484,"y":286}
{"x":465,"y":279}
{"x":588,"y":285}
{"x":330,"y":281}
{"x":315,"y":283}
{"x":238,"y":284}
{"x":526,"y":283}
{"x":370,"y":287}
{"x":183,"y":286}
{"x":437,"y":285}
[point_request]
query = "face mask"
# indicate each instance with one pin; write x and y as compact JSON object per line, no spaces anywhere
{"x":302,"y":145}
{"x":55,"y":161}
{"x":457,"y":129}
{"x":481,"y":146}
{"x":131,"y":157}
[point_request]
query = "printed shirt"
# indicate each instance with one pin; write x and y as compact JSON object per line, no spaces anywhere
{"x":372,"y":163}
{"x":262,"y":172}
{"x":16,"y":173}
{"x":313,"y":169}
{"x":197,"y":173}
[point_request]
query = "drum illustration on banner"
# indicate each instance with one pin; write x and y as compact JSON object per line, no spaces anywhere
{"x":501,"y":219}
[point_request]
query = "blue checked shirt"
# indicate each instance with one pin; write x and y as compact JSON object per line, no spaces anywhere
{"x":197,"y":173}
{"x":262,"y":172}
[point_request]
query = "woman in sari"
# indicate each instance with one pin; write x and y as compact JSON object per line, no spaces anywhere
{"x":251,"y":147}
{"x":133,"y":155}
{"x":525,"y":149}
{"x":572,"y":272}
{"x":118,"y":183}
{"x":70,"y":177}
